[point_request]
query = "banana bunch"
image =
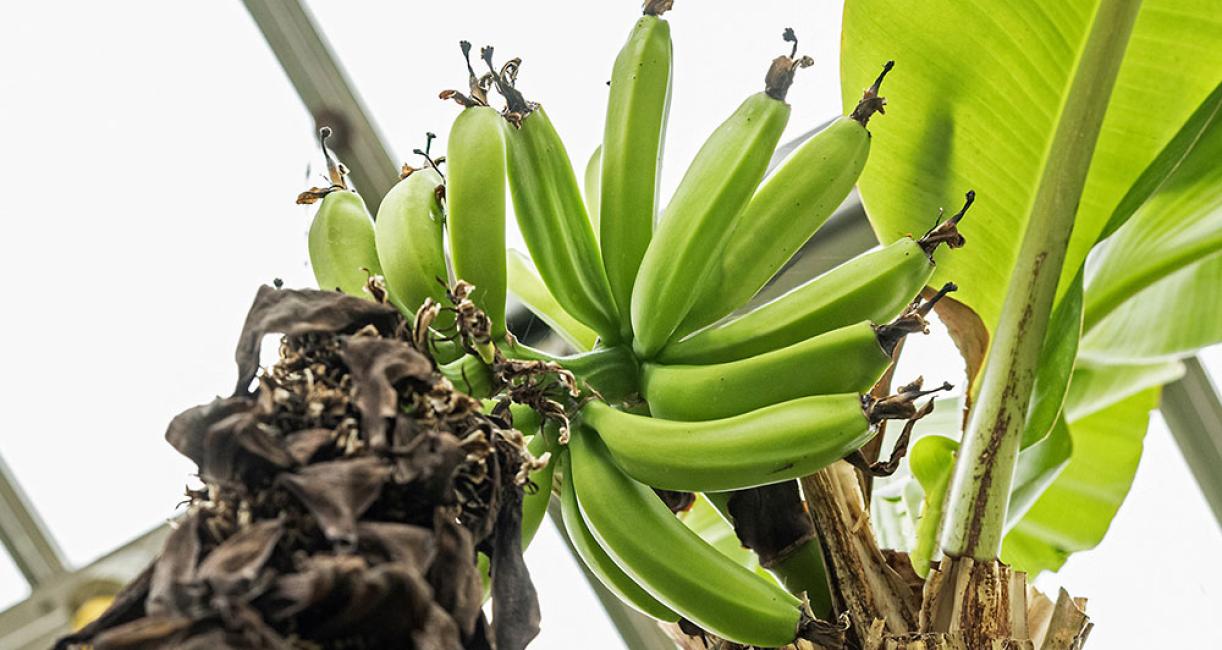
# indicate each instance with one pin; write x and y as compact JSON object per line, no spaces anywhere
{"x":677,"y":389}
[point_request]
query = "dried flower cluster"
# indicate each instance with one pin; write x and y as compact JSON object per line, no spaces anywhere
{"x":345,"y":497}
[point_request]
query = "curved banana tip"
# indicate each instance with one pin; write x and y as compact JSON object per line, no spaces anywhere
{"x":781,"y":72}
{"x":657,"y":7}
{"x":911,"y":321}
{"x":870,"y":102}
{"x":900,"y":406}
{"x":947,"y":232}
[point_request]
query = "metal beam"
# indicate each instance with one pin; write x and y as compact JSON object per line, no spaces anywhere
{"x":1194,"y":415}
{"x":24,"y":534}
{"x":324,"y":88}
{"x":35,"y":623}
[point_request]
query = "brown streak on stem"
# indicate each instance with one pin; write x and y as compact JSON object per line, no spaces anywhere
{"x":987,"y":460}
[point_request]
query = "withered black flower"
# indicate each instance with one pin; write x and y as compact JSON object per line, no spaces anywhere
{"x":345,"y":496}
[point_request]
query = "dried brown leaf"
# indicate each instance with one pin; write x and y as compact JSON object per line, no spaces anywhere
{"x":378,"y":366}
{"x":295,"y":312}
{"x":771,"y":520}
{"x":515,"y":605}
{"x":338,"y":492}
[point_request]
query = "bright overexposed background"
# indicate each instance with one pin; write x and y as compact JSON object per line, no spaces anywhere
{"x":151,"y":154}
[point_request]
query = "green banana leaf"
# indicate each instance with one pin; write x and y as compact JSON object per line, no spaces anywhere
{"x":973,"y":102}
{"x":1180,"y":224}
{"x":1096,"y":386}
{"x":1074,"y":512}
{"x":1172,"y":318}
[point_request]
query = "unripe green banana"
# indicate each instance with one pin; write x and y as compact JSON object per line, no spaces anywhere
{"x":874,"y":286}
{"x":552,"y":216}
{"x":845,"y":360}
{"x":597,"y":560}
{"x":592,"y":185}
{"x":786,"y":211}
{"x":534,"y":504}
{"x":772,"y":444}
{"x":696,"y":223}
{"x":631,"y":155}
{"x":475,"y":208}
{"x":528,"y":288}
{"x":469,"y":374}
{"x":411,"y":244}
{"x":341,"y":240}
{"x":671,"y":562}
{"x":793,"y":202}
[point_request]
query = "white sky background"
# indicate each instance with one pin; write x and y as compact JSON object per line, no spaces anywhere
{"x":152,"y":151}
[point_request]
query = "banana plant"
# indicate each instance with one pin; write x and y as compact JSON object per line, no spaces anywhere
{"x":1115,"y":126}
{"x":676,"y":385}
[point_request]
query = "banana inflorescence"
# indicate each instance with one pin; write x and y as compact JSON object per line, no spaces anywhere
{"x":678,"y":385}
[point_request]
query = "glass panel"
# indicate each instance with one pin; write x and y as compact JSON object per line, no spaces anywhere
{"x":157,"y":148}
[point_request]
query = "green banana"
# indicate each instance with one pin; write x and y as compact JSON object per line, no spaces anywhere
{"x":597,"y":560}
{"x":845,"y":360}
{"x":469,"y":374}
{"x":411,"y":244}
{"x":534,"y":505}
{"x":793,"y":202}
{"x":874,"y":286}
{"x":631,"y":153}
{"x":475,"y":208}
{"x":550,"y":210}
{"x":849,"y":359}
{"x":932,"y":462}
{"x":341,"y":240}
{"x":528,"y":288}
{"x":592,"y":186}
{"x":772,"y":444}
{"x":696,"y":224}
{"x":671,"y":562}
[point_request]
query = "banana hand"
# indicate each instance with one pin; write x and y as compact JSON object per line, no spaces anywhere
{"x":671,"y":562}
{"x":597,"y":560}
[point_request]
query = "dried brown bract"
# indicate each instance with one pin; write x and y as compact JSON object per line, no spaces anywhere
{"x":346,"y":495}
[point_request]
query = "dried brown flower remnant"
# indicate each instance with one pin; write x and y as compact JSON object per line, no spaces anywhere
{"x":345,"y":497}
